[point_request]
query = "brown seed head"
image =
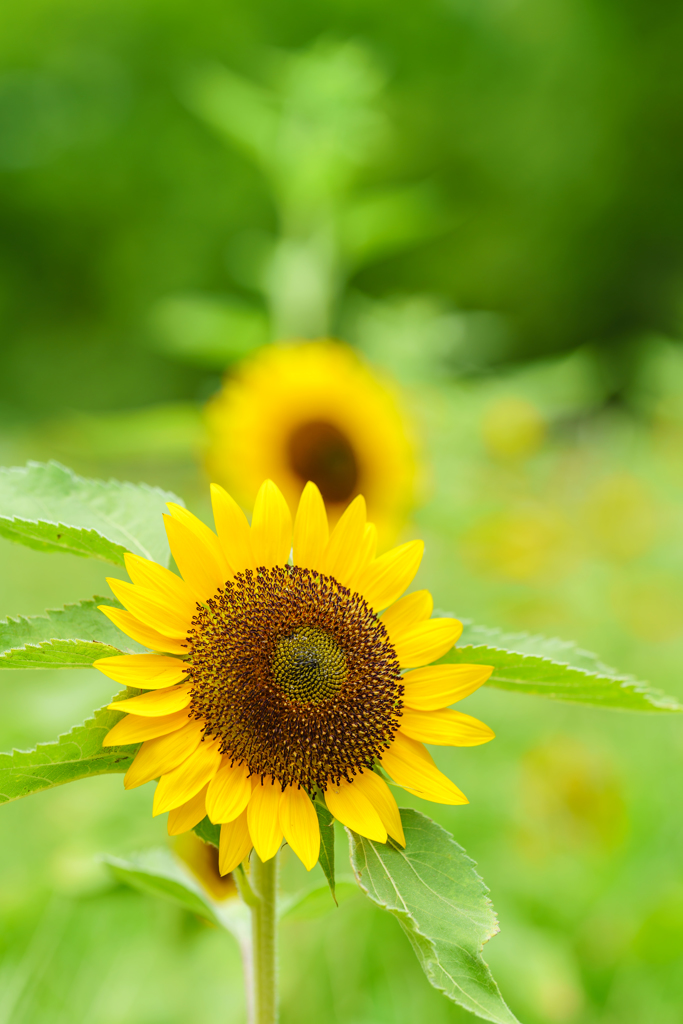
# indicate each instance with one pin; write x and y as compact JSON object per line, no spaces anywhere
{"x":296,"y":675}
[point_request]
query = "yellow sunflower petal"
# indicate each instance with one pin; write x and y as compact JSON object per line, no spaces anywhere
{"x":385,"y":579}
{"x":299,"y":823}
{"x":157,"y":578}
{"x":151,"y":607}
{"x":437,"y":686}
{"x":182,"y":819}
{"x":162,"y":755}
{"x":229,"y":793}
{"x":202,"y":532}
{"x":311,"y":531}
{"x":413,"y":768}
{"x":271,"y":530}
{"x":349,"y":804}
{"x":263,"y":818}
{"x":366,"y":553}
{"x":343,"y":548}
{"x":235,"y":844}
{"x":156,"y":702}
{"x":180,"y":785}
{"x":136,"y":729}
{"x":199,"y":557}
{"x":445,"y":728}
{"x":382,"y":799}
{"x":405,"y":613}
{"x":233,"y":530}
{"x":426,"y":642}
{"x":144,"y":634}
{"x":143,"y":671}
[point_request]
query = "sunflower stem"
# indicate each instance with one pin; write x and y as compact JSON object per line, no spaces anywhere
{"x":263,"y":923}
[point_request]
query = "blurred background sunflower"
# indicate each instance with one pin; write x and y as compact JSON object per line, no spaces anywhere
{"x":484,"y":202}
{"x":313,"y":411}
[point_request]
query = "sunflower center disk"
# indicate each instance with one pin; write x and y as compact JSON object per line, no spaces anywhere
{"x":309,"y":666}
{"x":318,"y":451}
{"x":296,"y":675}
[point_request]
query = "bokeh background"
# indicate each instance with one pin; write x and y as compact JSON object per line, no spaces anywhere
{"x":484,"y":198}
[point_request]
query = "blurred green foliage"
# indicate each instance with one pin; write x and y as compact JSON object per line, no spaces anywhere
{"x":485,"y":199}
{"x":503,"y":157}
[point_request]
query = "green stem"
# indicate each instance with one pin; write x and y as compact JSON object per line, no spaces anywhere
{"x":264,"y":923}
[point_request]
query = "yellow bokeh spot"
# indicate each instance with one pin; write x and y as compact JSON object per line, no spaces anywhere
{"x":571,"y":798}
{"x":522,"y":544}
{"x":622,"y":517}
{"x":650,"y":606}
{"x":513,"y":428}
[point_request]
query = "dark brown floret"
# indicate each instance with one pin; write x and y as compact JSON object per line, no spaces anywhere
{"x":297,"y":676}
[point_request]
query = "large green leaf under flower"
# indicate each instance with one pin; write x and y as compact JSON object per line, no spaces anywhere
{"x":556,"y":669}
{"x":50,"y":508}
{"x":442,"y":905}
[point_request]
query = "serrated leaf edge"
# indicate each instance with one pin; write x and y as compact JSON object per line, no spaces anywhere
{"x":104,"y":484}
{"x":627,"y":682}
{"x":414,"y":930}
{"x":403,"y":916}
{"x":127,"y":749}
{"x":4,"y":656}
{"x":46,"y":616}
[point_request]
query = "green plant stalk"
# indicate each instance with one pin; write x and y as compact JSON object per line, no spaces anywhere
{"x":264,"y":924}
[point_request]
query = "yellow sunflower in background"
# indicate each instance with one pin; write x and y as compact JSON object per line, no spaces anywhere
{"x":314,"y":411}
{"x":277,"y":684}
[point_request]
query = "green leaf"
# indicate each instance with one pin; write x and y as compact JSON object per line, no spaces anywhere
{"x":57,"y":654}
{"x":76,"y":755}
{"x":209,"y":832}
{"x":71,"y":637}
{"x":441,"y":904}
{"x":377,"y":224}
{"x":159,"y":873}
{"x":47,"y":507}
{"x":557,"y":669}
{"x":236,"y":107}
{"x":315,"y":902}
{"x":326,"y":856}
{"x":208,"y":331}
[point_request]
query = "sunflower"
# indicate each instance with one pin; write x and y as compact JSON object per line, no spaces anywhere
{"x":275,"y":684}
{"x":313,"y":411}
